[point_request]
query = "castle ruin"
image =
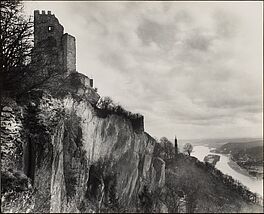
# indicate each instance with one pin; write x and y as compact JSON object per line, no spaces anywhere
{"x":55,"y":51}
{"x":54,"y":48}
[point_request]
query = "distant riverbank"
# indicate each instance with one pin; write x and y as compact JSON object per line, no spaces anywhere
{"x":238,"y":169}
{"x":229,"y":167}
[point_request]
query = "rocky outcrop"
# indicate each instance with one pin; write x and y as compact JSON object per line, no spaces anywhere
{"x":11,"y":138}
{"x":76,"y":159}
{"x":212,"y":159}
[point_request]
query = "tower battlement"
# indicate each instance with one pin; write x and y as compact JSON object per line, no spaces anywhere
{"x":43,"y":12}
{"x":51,"y":45}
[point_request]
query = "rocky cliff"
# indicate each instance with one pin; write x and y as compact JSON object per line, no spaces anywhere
{"x":62,"y":152}
{"x":76,"y":159}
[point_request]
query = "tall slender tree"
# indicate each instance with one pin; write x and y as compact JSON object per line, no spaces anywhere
{"x":176,"y":146}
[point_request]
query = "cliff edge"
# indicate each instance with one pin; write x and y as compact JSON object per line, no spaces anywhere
{"x":75,"y":158}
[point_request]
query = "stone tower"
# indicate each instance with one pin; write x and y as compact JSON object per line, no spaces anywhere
{"x":53,"y":48}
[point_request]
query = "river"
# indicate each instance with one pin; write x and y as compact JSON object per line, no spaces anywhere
{"x":252,"y":183}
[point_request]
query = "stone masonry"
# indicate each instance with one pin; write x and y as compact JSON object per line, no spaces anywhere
{"x":54,"y":50}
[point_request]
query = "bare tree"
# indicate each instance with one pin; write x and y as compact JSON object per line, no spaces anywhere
{"x":188,"y":148}
{"x":16,"y":43}
{"x":18,"y":73}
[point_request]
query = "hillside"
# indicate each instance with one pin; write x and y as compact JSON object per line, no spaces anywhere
{"x":218,"y":142}
{"x":209,"y":190}
{"x":233,"y":147}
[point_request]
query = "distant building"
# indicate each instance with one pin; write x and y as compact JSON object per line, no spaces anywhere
{"x":53,"y":48}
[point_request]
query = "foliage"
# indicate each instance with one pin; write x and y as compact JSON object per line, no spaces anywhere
{"x":113,"y":202}
{"x":106,"y":106}
{"x":188,"y":148}
{"x":164,"y":149}
{"x":105,"y":103}
{"x":101,"y":186}
{"x":16,"y":43}
{"x":176,"y":146}
{"x":172,"y":194}
{"x":17,"y":202}
{"x":229,"y":182}
{"x":16,"y":190}
{"x":146,"y":201}
{"x":19,"y":74}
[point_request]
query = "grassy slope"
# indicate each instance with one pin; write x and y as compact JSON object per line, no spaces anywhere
{"x":209,"y":193}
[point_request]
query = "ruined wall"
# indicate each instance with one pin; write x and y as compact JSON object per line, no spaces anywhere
{"x":47,"y":52}
{"x":45,"y":26}
{"x":53,"y":50}
{"x":69,"y":53}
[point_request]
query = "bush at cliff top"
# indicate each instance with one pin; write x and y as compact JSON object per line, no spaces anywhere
{"x":107,"y":105}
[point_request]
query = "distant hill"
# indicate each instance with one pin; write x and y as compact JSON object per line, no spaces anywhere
{"x":248,"y":155}
{"x":218,"y":142}
{"x":235,"y":147}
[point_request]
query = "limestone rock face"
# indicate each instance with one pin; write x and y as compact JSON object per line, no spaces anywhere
{"x":11,"y":138}
{"x":75,"y":158}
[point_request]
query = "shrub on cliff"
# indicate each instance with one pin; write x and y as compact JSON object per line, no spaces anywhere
{"x":106,"y":106}
{"x":14,"y":181}
{"x":17,"y":202}
{"x":16,"y":191}
{"x":105,"y":103}
{"x":164,"y":149}
{"x":146,"y":201}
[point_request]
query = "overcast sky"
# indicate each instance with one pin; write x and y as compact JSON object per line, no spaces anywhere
{"x":193,"y":69}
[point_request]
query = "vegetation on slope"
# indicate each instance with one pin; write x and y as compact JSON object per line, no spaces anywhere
{"x":195,"y":186}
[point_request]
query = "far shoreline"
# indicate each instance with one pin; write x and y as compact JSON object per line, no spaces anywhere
{"x":239,"y":169}
{"x":232,"y":164}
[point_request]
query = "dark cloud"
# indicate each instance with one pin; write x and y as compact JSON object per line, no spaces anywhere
{"x":198,"y":41}
{"x":161,"y":34}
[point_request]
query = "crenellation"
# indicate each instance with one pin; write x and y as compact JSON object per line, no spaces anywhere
{"x":51,"y":45}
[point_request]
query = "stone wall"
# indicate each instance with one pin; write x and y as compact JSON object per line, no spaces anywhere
{"x":47,"y":52}
{"x":53,"y":50}
{"x":69,"y":53}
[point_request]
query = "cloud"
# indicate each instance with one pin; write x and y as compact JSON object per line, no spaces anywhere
{"x":161,"y":34}
{"x":190,"y":68}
